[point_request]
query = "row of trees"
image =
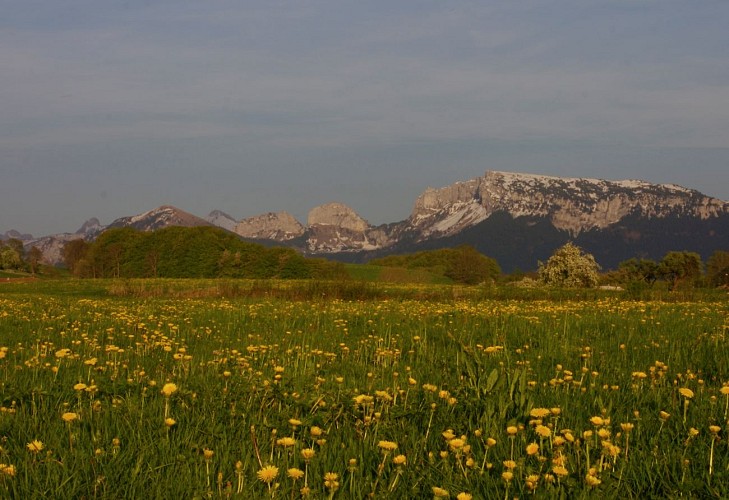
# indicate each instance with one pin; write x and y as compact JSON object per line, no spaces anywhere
{"x":14,"y":257}
{"x":187,"y":252}
{"x":571,"y":267}
{"x":463,"y":264}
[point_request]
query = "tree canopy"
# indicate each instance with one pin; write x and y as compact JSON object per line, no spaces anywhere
{"x":187,"y":252}
{"x":463,"y":264}
{"x":570,"y":267}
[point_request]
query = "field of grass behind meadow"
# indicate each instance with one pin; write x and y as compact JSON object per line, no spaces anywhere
{"x":250,"y":389}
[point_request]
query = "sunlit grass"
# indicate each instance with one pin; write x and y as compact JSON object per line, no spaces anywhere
{"x":192,"y":389}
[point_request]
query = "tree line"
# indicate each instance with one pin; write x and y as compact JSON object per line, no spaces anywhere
{"x":571,"y":267}
{"x":13,"y":256}
{"x":188,"y":252}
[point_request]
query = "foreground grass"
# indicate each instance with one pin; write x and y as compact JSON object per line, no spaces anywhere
{"x":415,"y":388}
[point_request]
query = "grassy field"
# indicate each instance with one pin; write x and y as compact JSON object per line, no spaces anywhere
{"x":226,"y":389}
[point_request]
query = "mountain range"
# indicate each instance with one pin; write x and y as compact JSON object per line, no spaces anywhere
{"x":518,"y":219}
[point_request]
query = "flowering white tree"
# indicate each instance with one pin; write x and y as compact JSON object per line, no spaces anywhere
{"x":570,"y":267}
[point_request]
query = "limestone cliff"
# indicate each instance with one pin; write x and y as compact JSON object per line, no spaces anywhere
{"x":280,"y":226}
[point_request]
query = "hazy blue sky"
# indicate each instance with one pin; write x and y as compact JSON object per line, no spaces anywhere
{"x":111,"y":108}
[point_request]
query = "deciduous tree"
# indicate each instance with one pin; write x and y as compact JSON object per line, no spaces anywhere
{"x":570,"y":267}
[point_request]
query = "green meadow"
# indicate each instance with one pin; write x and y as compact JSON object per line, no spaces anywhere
{"x":316,"y":389}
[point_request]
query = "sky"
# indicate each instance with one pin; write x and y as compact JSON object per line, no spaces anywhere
{"x":111,"y":108}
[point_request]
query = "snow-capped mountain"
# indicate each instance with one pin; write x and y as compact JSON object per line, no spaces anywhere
{"x":516,"y":218}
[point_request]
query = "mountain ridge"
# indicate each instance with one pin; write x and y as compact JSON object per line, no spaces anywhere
{"x":568,"y":208}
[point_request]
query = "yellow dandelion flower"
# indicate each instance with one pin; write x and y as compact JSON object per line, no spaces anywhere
{"x":399,"y":460}
{"x":540,"y":412}
{"x":509,"y":464}
{"x":79,"y":387}
{"x":35,"y":446}
{"x":8,"y":470}
{"x":464,"y":496}
{"x":627,"y":426}
{"x":448,"y":434}
{"x":330,"y":480}
{"x":490,"y":442}
{"x":168,"y":389}
{"x":714,"y":429}
{"x":592,"y":481}
{"x":170,"y":422}
{"x":286,"y":442}
{"x":507,"y":476}
{"x":295,"y":473}
{"x":439,"y":492}
{"x":456,"y":443}
{"x":560,"y":470}
{"x":532,"y":449}
{"x":597,"y":421}
{"x":307,"y":453}
{"x":543,"y":431}
{"x":664,"y":415}
{"x":387,"y":445}
{"x":725,"y":390}
{"x":316,"y":431}
{"x":267,"y":474}
{"x":686,"y":392}
{"x":69,"y":416}
{"x":294,"y":422}
{"x":512,"y":430}
{"x":208,"y":453}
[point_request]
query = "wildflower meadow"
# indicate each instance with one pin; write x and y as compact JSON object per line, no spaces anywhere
{"x":196,"y":389}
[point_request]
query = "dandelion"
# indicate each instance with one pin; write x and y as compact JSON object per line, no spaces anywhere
{"x":170,"y":422}
{"x":439,"y":492}
{"x":399,"y":460}
{"x":267,"y":474}
{"x":560,"y":471}
{"x":69,"y":416}
{"x":387,"y":445}
{"x":331,"y":482}
{"x":532,"y":449}
{"x":686,"y":392}
{"x":532,"y":481}
{"x":540,"y":412}
{"x":307,"y":454}
{"x":295,"y":473}
{"x":543,"y":431}
{"x":168,"y":389}
{"x":35,"y":446}
{"x":592,"y":481}
{"x":8,"y":470}
{"x":464,"y":496}
{"x":286,"y":442}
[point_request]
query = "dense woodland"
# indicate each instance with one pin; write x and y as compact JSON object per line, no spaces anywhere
{"x":188,"y":252}
{"x":209,"y":252}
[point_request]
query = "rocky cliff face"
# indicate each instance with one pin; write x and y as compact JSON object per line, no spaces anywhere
{"x":571,"y":204}
{"x":335,"y":227}
{"x":279,"y":226}
{"x":221,"y":219}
